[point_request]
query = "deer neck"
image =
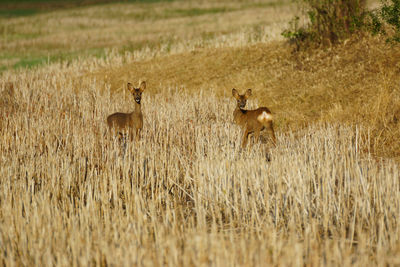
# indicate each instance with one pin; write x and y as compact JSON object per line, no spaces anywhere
{"x":137,"y":110}
{"x":239,"y":114}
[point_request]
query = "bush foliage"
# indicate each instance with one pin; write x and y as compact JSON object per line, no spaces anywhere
{"x":330,"y":21}
{"x":390,"y":14}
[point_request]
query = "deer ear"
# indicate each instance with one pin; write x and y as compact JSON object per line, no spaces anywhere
{"x":130,"y":87}
{"x":142,"y":86}
{"x":235,"y":93}
{"x":248,"y":93}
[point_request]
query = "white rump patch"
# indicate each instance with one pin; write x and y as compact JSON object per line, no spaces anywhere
{"x":264,"y":117}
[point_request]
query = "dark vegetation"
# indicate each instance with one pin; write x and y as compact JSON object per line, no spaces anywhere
{"x":331,"y":21}
{"x":9,"y":8}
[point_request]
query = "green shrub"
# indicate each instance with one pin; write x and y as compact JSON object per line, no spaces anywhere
{"x":390,"y":15}
{"x":297,"y":35}
{"x":329,"y":21}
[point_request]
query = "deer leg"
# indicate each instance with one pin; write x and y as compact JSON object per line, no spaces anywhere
{"x":130,"y":135}
{"x":137,"y":135}
{"x":245,"y":138}
{"x":121,"y":137}
{"x":257,"y":135}
{"x":270,"y":128}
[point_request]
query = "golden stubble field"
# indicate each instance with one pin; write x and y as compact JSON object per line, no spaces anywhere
{"x":186,"y":194}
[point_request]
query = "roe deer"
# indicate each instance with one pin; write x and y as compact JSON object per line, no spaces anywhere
{"x":129,"y":122}
{"x":252,"y":120}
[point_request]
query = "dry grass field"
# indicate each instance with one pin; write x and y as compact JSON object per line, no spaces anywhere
{"x":186,"y":194}
{"x":164,"y":27}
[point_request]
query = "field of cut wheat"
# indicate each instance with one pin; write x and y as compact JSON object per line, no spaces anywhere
{"x":186,"y":194}
{"x":72,"y":193}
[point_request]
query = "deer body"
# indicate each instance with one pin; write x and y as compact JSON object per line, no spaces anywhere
{"x":129,"y":122}
{"x":252,"y":121}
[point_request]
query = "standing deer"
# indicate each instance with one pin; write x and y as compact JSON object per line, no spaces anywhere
{"x":252,"y":120}
{"x":129,"y":122}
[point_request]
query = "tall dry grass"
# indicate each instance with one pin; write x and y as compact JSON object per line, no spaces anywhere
{"x":185,"y":194}
{"x":354,"y":83}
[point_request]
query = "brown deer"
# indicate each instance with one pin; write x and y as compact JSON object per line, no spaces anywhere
{"x":252,"y":121}
{"x":129,"y":122}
